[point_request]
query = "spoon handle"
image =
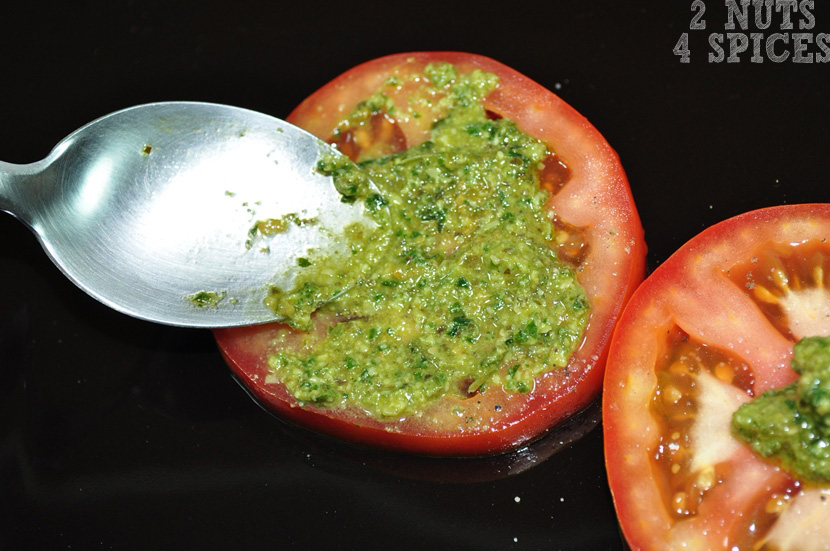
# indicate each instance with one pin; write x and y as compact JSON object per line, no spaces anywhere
{"x":16,"y":189}
{"x":9,"y":174}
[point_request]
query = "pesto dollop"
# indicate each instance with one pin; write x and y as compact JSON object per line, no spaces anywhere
{"x":456,"y":289}
{"x":792,"y":425}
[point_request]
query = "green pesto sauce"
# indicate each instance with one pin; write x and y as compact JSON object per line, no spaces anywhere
{"x":792,"y":425}
{"x":274,"y":226}
{"x":207,"y":299}
{"x":457,"y":280}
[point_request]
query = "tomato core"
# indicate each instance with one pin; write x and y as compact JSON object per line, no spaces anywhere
{"x":380,"y":136}
{"x":675,"y":404}
{"x":789,"y":283}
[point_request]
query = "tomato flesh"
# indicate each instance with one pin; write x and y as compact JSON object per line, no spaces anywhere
{"x":599,"y":234}
{"x":709,"y":330}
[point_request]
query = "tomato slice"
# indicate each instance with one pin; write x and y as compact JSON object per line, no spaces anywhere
{"x":708,"y":330}
{"x":599,"y":234}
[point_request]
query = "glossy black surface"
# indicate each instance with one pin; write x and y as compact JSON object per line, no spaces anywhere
{"x":115,"y":433}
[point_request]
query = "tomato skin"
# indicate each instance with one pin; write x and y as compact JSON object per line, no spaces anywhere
{"x":596,"y":199}
{"x":691,"y":290}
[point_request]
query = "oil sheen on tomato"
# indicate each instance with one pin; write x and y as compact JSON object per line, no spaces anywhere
{"x":458,"y":278}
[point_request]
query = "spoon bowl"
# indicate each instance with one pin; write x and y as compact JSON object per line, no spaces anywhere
{"x":154,"y":210}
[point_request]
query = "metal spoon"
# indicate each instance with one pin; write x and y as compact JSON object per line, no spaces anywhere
{"x":153,"y":210}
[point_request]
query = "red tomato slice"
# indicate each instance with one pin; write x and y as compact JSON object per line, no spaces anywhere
{"x":593,"y":205}
{"x":711,"y":327}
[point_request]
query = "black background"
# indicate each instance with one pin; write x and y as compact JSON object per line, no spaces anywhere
{"x":119,"y":434}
